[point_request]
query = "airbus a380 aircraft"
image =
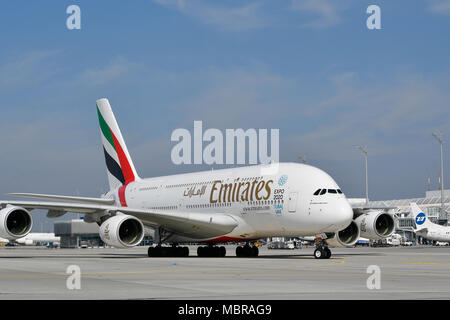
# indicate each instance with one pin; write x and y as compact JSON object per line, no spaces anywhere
{"x":426,"y":229}
{"x":210,"y":207}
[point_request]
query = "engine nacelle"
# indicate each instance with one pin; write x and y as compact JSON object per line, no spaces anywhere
{"x":122,"y":231}
{"x":15,"y":223}
{"x":344,"y":238}
{"x":376,"y":225}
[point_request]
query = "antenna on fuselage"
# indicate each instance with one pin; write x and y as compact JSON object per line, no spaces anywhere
{"x":302,"y":158}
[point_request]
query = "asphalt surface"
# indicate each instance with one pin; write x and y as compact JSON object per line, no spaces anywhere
{"x":107,"y":273}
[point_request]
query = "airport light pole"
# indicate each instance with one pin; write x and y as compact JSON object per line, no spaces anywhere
{"x":438,"y":136}
{"x":364,"y":150}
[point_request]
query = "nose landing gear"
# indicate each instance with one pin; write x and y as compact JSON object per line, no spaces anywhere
{"x":322,"y":251}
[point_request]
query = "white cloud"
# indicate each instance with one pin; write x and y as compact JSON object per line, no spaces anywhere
{"x":52,"y":155}
{"x":325,"y":13}
{"x":388,"y":116}
{"x":231,"y":18}
{"x":440,"y":6}
{"x":26,"y":70}
{"x":320,"y":118}
{"x":105,"y":74}
{"x":259,"y":14}
{"x":238,"y":97}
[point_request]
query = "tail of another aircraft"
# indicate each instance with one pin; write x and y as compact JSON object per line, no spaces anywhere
{"x":420,"y":218}
{"x":120,"y":167}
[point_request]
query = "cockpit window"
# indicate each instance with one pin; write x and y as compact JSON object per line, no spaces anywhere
{"x":323,"y":191}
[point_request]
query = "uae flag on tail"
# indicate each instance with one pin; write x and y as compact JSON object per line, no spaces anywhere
{"x":119,"y":165}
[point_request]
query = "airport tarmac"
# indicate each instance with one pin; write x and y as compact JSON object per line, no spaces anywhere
{"x":107,"y":273}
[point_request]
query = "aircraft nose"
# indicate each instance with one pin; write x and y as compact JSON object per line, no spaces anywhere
{"x":343,"y":213}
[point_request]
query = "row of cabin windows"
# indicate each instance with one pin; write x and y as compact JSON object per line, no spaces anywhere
{"x":266,"y":202}
{"x":209,"y":205}
{"x":164,"y":208}
{"x":148,"y":188}
{"x":188,"y":184}
{"x":323,"y":191}
{"x":227,"y":204}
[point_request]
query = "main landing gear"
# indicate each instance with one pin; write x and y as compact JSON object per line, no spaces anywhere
{"x":322,"y":251}
{"x":247,"y":251}
{"x":202,"y":251}
{"x":211,"y":251}
{"x":173,"y":251}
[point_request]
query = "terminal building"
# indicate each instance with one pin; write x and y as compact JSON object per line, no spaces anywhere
{"x":77,"y":233}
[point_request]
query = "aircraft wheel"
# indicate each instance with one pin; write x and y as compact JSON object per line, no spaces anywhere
{"x":165,"y":251}
{"x":223,"y":252}
{"x":247,"y":251}
{"x":318,"y":253}
{"x":327,"y":253}
{"x":255,"y":251}
{"x":239,"y":251}
{"x":178,"y":251}
{"x":157,"y":251}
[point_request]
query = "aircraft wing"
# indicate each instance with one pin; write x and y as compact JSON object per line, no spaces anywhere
{"x":423,"y":230}
{"x":360,"y":207}
{"x":64,"y":198}
{"x":360,"y":204}
{"x":364,"y":207}
{"x":190,"y":224}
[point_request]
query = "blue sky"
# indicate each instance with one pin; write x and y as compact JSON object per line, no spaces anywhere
{"x":310,"y":68}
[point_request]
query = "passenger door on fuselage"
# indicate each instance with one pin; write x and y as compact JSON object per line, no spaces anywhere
{"x":292,"y":201}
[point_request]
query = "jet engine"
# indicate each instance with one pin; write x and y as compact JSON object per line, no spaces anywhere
{"x":15,"y":222}
{"x":122,"y":231}
{"x":376,"y":225}
{"x":344,"y":238}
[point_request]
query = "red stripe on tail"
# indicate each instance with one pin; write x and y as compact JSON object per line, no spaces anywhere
{"x":126,"y":170}
{"x":124,"y":164}
{"x":122,"y":199}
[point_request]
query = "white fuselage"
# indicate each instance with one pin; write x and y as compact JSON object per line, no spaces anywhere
{"x":34,"y":238}
{"x":266,"y":201}
{"x":435,"y":232}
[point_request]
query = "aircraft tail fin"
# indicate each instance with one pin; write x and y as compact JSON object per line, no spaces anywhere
{"x":120,"y":167}
{"x":420,"y":218}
